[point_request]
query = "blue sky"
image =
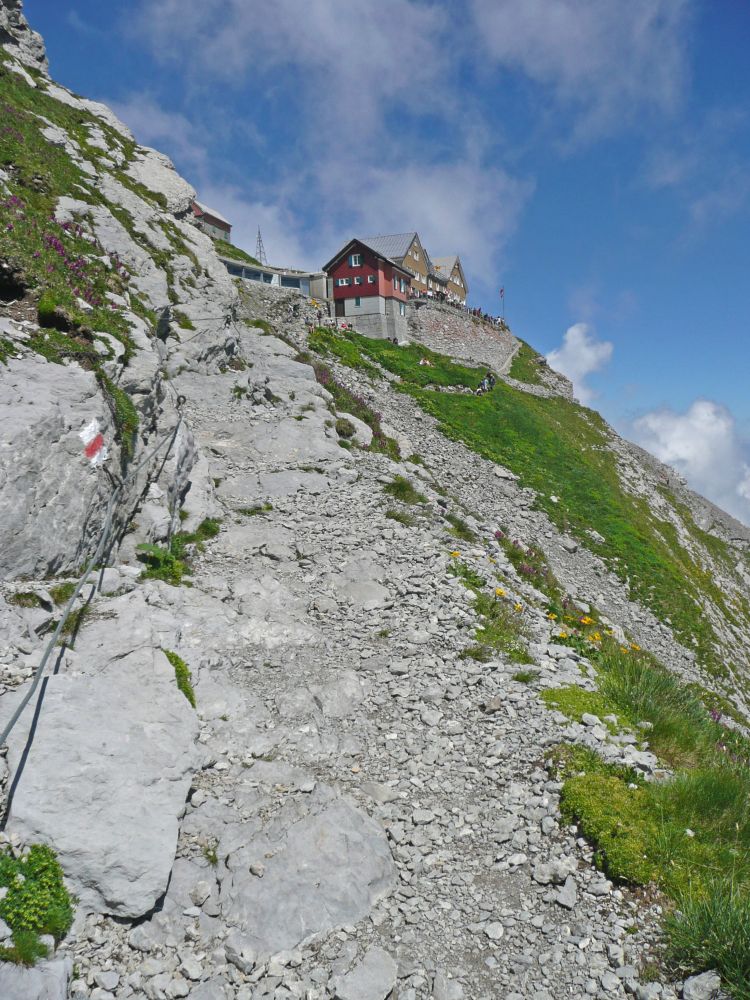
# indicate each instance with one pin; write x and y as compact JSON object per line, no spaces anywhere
{"x":591,"y":156}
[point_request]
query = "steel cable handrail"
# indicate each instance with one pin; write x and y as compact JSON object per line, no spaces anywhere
{"x":101,"y":548}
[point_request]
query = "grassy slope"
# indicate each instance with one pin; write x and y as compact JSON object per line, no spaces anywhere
{"x":234,"y":253}
{"x":562,"y":449}
{"x":524,"y":366}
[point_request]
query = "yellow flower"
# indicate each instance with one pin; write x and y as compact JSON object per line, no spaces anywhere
{"x":634,"y":645}
{"x":552,"y":616}
{"x":586,"y":620}
{"x":624,"y":649}
{"x":518,"y":606}
{"x":562,"y":635}
{"x":499,"y":592}
{"x":455,"y":555}
{"x":595,"y":637}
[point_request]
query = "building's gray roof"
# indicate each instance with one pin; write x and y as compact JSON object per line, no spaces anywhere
{"x":212,"y":212}
{"x":394,"y":246}
{"x":366,"y":243}
{"x":446,"y":264}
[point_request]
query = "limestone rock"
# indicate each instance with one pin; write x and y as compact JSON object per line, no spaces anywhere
{"x":127,"y":728}
{"x":703,"y":987}
{"x":372,"y":979}
{"x":45,"y":981}
{"x":326,"y":868}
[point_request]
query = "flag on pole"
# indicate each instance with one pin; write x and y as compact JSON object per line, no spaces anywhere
{"x":502,"y":292}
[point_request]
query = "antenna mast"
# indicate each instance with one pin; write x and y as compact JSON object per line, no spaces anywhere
{"x":260,"y":250}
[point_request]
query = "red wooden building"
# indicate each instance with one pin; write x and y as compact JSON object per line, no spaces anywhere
{"x":370,"y":290}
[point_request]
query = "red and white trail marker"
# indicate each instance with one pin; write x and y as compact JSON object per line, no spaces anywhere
{"x":94,"y":447}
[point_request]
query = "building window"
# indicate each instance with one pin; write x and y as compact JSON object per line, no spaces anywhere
{"x":403,"y":285}
{"x":355,"y":260}
{"x":395,"y":283}
{"x":402,"y":308}
{"x":357,"y":301}
{"x":358,"y":280}
{"x":370,"y":279}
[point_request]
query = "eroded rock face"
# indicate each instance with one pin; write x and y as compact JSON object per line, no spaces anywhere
{"x":17,"y":37}
{"x":46,"y":478}
{"x":46,"y":981}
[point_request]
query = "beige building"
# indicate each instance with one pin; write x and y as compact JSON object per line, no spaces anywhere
{"x":452,"y":270}
{"x":441,"y":277}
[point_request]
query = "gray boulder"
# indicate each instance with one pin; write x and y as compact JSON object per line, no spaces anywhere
{"x":703,"y":987}
{"x":45,"y":981}
{"x":323,"y":869}
{"x":372,"y":979}
{"x":106,"y":778}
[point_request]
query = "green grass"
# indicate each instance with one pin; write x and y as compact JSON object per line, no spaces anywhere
{"x":326,"y":342}
{"x":404,"y":361}
{"x":345,"y":428}
{"x":525,"y":676}
{"x":560,"y":448}
{"x":261,"y":324}
{"x":234,"y":253}
{"x":575,"y":702}
{"x":172,"y":564}
{"x":468,"y":576}
{"x":182,"y":675}
{"x":261,"y":508}
{"x":401,"y":516}
{"x":401,"y":489}
{"x":25,"y":599}
{"x":36,"y":903}
{"x":524,"y":366}
{"x":503,"y":629}
{"x":690,"y":835}
{"x":62,"y":592}
{"x":460,"y":529}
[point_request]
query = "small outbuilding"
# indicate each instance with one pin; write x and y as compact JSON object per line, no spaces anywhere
{"x":211,"y":222}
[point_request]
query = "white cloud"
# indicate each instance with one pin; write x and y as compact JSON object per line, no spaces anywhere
{"x":704,"y":445}
{"x":609,"y":60}
{"x":170,"y":131}
{"x":346,"y":59}
{"x":579,"y":356}
{"x":457,"y":207}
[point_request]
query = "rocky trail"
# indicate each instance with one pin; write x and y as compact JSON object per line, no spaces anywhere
{"x":370,"y":812}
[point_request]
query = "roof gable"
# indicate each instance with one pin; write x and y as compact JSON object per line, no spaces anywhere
{"x":205,"y":210}
{"x":396,"y":246}
{"x":356,"y":242}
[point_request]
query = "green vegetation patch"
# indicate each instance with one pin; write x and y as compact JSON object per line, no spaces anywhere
{"x":460,"y":529}
{"x":182,"y":675}
{"x":350,"y":403}
{"x":689,"y":834}
{"x":402,"y":516}
{"x":234,"y":253}
{"x":404,"y":360}
{"x":261,"y":508}
{"x":525,"y":365}
{"x":36,"y":902}
{"x":61,"y":593}
{"x":467,"y":575}
{"x":503,"y":628}
{"x":172,"y":563}
{"x":401,"y":489}
{"x":261,"y":324}
{"x":26,"y":599}
{"x":324,"y":341}
{"x":575,"y":702}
